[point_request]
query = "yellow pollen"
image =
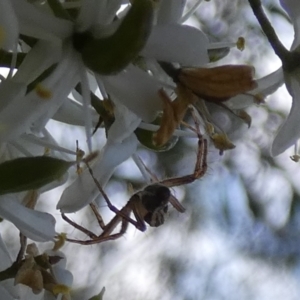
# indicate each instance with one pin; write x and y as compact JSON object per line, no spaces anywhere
{"x":259,"y":99}
{"x":61,"y":289}
{"x":240,"y":44}
{"x":43,"y":92}
{"x":60,"y":241}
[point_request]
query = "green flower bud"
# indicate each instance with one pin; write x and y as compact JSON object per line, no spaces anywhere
{"x":112,"y":54}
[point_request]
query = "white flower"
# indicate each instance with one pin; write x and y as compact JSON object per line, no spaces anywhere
{"x":8,"y":26}
{"x":7,"y":289}
{"x":289,"y":132}
{"x":83,"y":190}
{"x":26,"y":109}
{"x":36,"y":225}
{"x":55,"y":32}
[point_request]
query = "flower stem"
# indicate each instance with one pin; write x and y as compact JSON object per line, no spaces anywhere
{"x":285,"y":55}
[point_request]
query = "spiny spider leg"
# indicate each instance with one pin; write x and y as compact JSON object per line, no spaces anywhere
{"x":81,"y":228}
{"x":78,"y":227}
{"x":97,"y":215}
{"x":106,"y":234}
{"x":199,"y":171}
{"x":122,"y":218}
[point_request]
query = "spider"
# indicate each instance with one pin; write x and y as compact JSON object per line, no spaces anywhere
{"x":149,"y":205}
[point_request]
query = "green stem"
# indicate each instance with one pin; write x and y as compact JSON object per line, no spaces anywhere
{"x":10,"y":272}
{"x":288,"y":60}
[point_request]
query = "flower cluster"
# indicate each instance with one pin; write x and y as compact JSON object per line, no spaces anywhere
{"x":133,"y":65}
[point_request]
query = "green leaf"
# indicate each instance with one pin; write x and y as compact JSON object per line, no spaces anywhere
{"x":217,"y":54}
{"x":112,"y":54}
{"x":11,"y":271}
{"x":99,"y":296}
{"x":28,"y":173}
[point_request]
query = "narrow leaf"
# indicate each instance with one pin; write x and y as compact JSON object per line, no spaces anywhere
{"x":112,"y":54}
{"x":28,"y":173}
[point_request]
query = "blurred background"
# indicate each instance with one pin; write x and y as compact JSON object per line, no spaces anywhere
{"x":240,"y":236}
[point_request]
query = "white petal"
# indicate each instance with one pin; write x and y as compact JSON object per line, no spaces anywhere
{"x":292,"y":7}
{"x":26,"y":293}
{"x":269,"y":84}
{"x":43,"y":55}
{"x":86,"y":101}
{"x":32,"y":110}
{"x":170,"y":11}
{"x":63,"y":276}
{"x":191,"y":11}
{"x":7,"y":288}
{"x":266,"y":85}
{"x":177,"y":43}
{"x":71,"y":112}
{"x":137,"y":90}
{"x":83,"y":190}
{"x":289,"y":132}
{"x":60,"y":83}
{"x":39,"y":24}
{"x":36,"y":225}
{"x":87,"y":15}
{"x":9,"y":27}
{"x":10,"y":90}
{"x":5,"y":259}
{"x":126,"y":122}
{"x":240,"y":101}
{"x":5,"y":293}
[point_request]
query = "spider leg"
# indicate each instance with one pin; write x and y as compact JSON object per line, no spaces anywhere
{"x":176,"y":204}
{"x":154,"y":178}
{"x":138,"y":211}
{"x":81,"y":228}
{"x":124,"y":217}
{"x":104,"y":237}
{"x":107,"y":235}
{"x":201,"y":161}
{"x":199,"y":171}
{"x":78,"y":227}
{"x":112,"y":207}
{"x":97,"y":215}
